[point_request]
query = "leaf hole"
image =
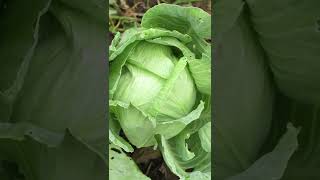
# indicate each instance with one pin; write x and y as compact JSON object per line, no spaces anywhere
{"x":116,"y":150}
{"x":189,"y":170}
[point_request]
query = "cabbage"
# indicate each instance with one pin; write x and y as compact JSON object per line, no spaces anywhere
{"x":267,"y":91}
{"x":53,"y":90}
{"x":160,"y":88}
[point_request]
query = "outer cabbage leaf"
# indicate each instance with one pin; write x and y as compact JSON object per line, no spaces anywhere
{"x":201,"y":72}
{"x":289,"y":34}
{"x":16,"y":51}
{"x":272,"y":165}
{"x":205,"y":137}
{"x":187,"y":20}
{"x":243,"y":98}
{"x":179,"y":158}
{"x":190,"y":149}
{"x":61,"y":75}
{"x":115,"y":138}
{"x":55,"y":81}
{"x":71,"y":159}
{"x":121,"y":167}
{"x":305,"y":160}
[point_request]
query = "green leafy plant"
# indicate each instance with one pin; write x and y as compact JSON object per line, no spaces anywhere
{"x":267,"y":93}
{"x":160,"y":90}
{"x":53,"y":90}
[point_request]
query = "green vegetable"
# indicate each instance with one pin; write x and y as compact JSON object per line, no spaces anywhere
{"x":267,"y":95}
{"x":53,"y":90}
{"x":160,"y":87}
